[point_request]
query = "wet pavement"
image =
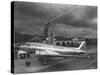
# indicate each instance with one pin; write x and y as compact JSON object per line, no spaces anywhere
{"x":58,"y":64}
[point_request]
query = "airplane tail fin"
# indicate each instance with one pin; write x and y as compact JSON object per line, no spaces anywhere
{"x":82,"y":46}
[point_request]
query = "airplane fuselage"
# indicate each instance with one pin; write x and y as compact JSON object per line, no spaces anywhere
{"x":47,"y":49}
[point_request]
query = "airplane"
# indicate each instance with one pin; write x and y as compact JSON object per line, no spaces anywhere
{"x":42,"y":50}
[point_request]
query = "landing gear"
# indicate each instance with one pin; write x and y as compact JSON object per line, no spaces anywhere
{"x":42,"y":60}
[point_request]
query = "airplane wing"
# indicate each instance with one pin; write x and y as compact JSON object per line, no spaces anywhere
{"x":59,"y":54}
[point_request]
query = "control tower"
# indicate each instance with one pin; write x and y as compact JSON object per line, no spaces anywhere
{"x":49,"y":33}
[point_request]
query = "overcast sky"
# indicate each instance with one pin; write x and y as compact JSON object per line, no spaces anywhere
{"x":30,"y":18}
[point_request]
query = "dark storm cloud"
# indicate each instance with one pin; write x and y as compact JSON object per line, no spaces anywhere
{"x":81,"y":17}
{"x":32,"y":17}
{"x":27,"y":11}
{"x":30,"y":26}
{"x":41,"y":10}
{"x":70,"y":31}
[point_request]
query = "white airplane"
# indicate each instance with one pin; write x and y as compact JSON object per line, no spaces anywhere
{"x":46,"y":50}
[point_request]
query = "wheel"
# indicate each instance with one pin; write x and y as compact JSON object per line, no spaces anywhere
{"x":43,"y":60}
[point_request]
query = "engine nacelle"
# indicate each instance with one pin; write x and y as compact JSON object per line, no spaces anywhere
{"x":38,"y":52}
